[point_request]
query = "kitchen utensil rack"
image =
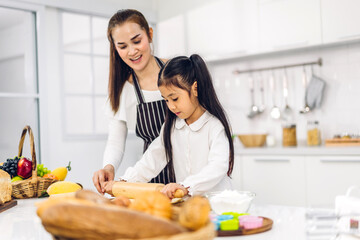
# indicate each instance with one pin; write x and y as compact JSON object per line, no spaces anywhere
{"x":318,"y":62}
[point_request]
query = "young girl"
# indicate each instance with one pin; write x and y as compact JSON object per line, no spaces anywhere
{"x":195,"y":140}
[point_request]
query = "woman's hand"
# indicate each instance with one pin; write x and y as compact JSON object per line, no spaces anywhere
{"x":102,"y":176}
{"x":170,"y":189}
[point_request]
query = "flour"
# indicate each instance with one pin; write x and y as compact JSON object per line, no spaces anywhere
{"x":231,"y":201}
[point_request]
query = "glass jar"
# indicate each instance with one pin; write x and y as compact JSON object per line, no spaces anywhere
{"x":289,"y":135}
{"x":313,"y":133}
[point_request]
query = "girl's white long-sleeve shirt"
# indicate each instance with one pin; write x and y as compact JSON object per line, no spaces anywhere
{"x":200,"y":156}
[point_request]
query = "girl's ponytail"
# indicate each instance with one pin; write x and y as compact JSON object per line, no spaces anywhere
{"x":208,"y":99}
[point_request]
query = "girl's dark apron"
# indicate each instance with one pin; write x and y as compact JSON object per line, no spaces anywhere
{"x":149,"y":118}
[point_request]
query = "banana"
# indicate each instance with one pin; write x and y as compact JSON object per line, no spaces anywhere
{"x":61,"y":172}
{"x":63,"y":187}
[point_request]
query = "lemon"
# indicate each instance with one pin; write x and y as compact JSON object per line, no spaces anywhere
{"x":61,"y":172}
{"x":63,"y":187}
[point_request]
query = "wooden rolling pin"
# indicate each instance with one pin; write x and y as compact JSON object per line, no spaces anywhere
{"x":133,"y":190}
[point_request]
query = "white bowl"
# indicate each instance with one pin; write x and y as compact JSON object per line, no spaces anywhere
{"x":230,"y":201}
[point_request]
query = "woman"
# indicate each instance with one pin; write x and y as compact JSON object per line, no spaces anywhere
{"x":135,"y":100}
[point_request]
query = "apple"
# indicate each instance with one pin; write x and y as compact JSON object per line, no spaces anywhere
{"x":24,"y":169}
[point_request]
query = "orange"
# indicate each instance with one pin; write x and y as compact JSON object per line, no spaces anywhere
{"x":52,"y":176}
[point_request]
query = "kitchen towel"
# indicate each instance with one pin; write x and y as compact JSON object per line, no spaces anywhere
{"x":315,"y":92}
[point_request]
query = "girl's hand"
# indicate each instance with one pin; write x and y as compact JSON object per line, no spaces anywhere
{"x":171,"y":188}
{"x":107,"y":186}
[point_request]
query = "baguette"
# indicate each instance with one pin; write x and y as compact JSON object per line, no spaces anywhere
{"x":74,"y":219}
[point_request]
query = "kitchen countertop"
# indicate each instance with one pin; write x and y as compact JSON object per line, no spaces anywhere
{"x":21,"y":222}
{"x":299,"y":151}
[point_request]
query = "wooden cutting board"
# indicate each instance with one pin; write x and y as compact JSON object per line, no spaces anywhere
{"x":335,"y":142}
{"x":267,"y":225}
{"x":8,"y":205}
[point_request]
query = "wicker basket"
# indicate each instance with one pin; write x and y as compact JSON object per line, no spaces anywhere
{"x":34,"y":186}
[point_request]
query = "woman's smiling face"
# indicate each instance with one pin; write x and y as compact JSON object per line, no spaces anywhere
{"x":132,"y":44}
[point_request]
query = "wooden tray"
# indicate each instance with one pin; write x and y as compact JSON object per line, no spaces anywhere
{"x":8,"y":205}
{"x":336,"y":142}
{"x":267,"y":225}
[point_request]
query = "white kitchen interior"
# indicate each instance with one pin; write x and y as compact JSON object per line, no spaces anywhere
{"x":54,"y":73}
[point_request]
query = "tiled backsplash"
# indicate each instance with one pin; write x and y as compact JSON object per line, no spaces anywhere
{"x":340,"y":110}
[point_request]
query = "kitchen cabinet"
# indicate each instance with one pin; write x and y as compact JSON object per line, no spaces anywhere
{"x":171,"y":37}
{"x":223,"y":27}
{"x":289,"y":24}
{"x":340,"y":20}
{"x":275,"y":179}
{"x":236,"y":176}
{"x":329,"y":176}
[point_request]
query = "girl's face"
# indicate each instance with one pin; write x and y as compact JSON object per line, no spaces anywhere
{"x":132,"y":44}
{"x":180,"y":103}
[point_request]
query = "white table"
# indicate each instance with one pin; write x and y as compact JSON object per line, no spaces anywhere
{"x":22,"y":223}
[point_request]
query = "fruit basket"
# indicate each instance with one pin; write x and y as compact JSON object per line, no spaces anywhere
{"x":33,"y":186}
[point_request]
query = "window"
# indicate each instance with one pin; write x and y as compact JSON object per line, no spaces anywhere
{"x":85,"y":53}
{"x":19,"y":94}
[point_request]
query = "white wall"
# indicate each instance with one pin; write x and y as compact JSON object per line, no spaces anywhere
{"x":103,"y":7}
{"x":339,"y":113}
{"x":169,"y":8}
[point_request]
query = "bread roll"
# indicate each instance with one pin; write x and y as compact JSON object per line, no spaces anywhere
{"x":154,"y":203}
{"x":5,"y":187}
{"x":194,"y":213}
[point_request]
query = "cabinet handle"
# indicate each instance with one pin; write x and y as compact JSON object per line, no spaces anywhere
{"x":271,"y":160}
{"x":339,"y":160}
{"x":349,"y":37}
{"x":291,"y":45}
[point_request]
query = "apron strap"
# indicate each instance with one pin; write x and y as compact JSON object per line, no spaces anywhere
{"x":139,"y":95}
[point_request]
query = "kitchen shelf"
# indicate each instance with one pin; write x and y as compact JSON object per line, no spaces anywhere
{"x":243,"y":56}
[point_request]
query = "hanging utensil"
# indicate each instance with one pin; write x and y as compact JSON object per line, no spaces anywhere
{"x":262,"y":95}
{"x":287,"y":112}
{"x":254,"y":110}
{"x":306,"y":108}
{"x":275,"y":111}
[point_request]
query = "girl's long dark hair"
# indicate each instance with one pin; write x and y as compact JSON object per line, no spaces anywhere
{"x":182,"y":72}
{"x":119,"y":71}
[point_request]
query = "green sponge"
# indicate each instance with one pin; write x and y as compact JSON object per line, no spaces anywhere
{"x":229,"y":225}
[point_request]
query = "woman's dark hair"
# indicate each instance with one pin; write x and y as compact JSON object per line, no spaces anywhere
{"x":182,"y":72}
{"x":119,"y":71}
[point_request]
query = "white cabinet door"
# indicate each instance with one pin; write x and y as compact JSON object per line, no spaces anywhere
{"x":329,"y":176}
{"x":287,"y":24}
{"x":171,"y":40}
{"x":275,"y":179}
{"x":340,"y":20}
{"x":236,"y":176}
{"x":222,"y":27}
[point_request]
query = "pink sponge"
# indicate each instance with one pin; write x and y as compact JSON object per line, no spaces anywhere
{"x":250,"y":222}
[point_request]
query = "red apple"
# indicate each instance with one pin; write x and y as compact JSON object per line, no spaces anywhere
{"x":24,"y":169}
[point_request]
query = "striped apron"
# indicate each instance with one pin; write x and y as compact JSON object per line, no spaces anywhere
{"x":149,"y":118}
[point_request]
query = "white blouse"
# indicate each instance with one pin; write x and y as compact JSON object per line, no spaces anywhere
{"x":200,"y":156}
{"x":122,"y":121}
